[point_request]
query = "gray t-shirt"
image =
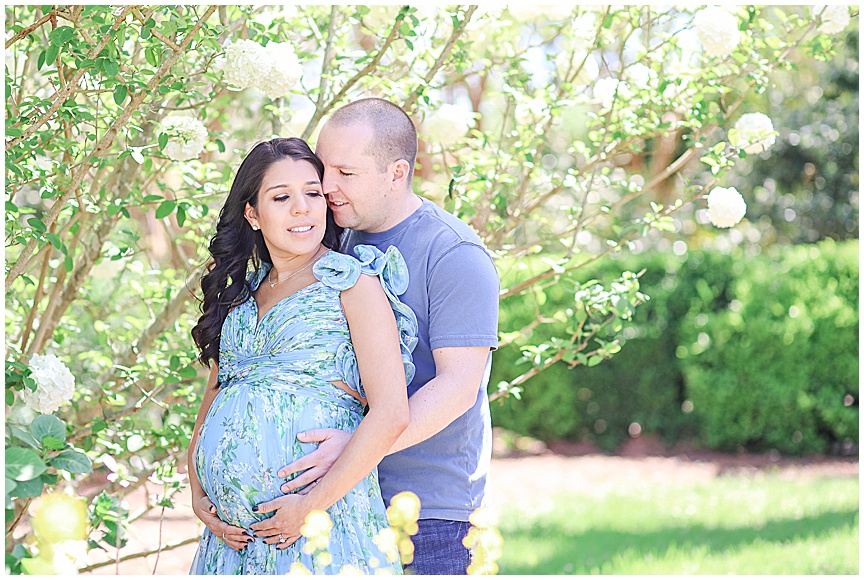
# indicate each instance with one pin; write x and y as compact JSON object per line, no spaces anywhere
{"x":453,"y":290}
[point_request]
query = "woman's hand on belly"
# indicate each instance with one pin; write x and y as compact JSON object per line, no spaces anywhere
{"x":236,"y":538}
{"x":290,"y":515}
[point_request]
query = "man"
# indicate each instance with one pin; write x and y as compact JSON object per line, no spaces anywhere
{"x":369,"y":148}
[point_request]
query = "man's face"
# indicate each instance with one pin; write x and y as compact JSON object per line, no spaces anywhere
{"x":359,"y":195}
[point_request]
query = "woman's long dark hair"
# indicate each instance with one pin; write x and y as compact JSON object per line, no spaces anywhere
{"x":235,"y":244}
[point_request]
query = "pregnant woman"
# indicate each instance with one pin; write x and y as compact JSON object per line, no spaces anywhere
{"x":305,"y":339}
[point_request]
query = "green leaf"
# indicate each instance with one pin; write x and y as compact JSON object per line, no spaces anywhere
{"x":61,"y":35}
{"x":150,"y":56}
{"x":48,"y":426}
{"x":189,"y":372}
{"x":165,"y":208}
{"x":53,"y":443}
{"x":23,"y":464}
{"x":30,"y":488}
{"x":120,"y":92}
{"x":181,"y":215}
{"x":25,"y":437}
{"x":72,"y":461}
{"x":55,"y":241}
{"x":111,"y":69}
{"x":67,"y":263}
{"x":51,"y":54}
{"x":595,"y":360}
{"x":219,"y":144}
{"x":10,"y":485}
{"x":10,"y":398}
{"x":37,"y":224}
{"x":163,"y":141}
{"x":40,"y":62}
{"x":13,"y":132}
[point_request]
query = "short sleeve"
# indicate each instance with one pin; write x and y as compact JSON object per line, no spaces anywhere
{"x":463,"y":288}
{"x":341,"y":272}
{"x":338,"y":271}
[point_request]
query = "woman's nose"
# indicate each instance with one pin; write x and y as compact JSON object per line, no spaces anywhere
{"x":300,"y":205}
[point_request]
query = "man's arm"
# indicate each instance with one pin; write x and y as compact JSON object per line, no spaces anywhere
{"x":438,"y":403}
{"x":454,"y":390}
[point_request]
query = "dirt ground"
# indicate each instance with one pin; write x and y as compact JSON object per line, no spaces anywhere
{"x":523,"y":476}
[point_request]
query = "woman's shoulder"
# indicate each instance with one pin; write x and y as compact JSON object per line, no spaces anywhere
{"x":336,"y":270}
{"x":342,"y":271}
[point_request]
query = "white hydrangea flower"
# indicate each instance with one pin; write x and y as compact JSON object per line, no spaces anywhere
{"x":447,"y":124}
{"x":835,"y":18}
{"x":717,"y":31}
{"x":641,"y":75}
{"x":243,"y":60}
{"x":54,"y":384}
{"x":584,"y":29}
{"x":186,"y":137}
{"x":283,"y":73}
{"x":528,"y":110}
{"x":755,"y":133}
{"x":605,"y":88}
{"x":726,"y":207}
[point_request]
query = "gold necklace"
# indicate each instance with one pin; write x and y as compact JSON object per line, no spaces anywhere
{"x":292,"y":274}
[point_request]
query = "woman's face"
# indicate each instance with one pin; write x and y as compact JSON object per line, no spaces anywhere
{"x":291,"y":210}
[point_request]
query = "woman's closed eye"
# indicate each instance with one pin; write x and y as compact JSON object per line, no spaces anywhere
{"x":282,"y":197}
{"x":345,"y":173}
{"x":315,"y":194}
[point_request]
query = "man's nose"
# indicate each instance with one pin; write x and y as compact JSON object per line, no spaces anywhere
{"x":328,"y":185}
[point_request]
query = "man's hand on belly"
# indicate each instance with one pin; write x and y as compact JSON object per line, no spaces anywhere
{"x":331,"y":443}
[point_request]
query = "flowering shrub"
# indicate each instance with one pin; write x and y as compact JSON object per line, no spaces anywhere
{"x":717,"y":31}
{"x":273,"y":69}
{"x":753,"y":132}
{"x":726,"y":207}
{"x":835,"y":18}
{"x":485,"y":542}
{"x":54,"y":384}
{"x":107,"y":221}
{"x":186,"y":137}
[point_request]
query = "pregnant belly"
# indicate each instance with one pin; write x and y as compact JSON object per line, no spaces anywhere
{"x":248,"y":435}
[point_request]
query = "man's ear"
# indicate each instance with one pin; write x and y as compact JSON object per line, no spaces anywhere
{"x":401,"y":173}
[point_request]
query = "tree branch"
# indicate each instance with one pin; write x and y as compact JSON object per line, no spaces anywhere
{"x":108,"y":139}
{"x":372,"y":65}
{"x":143,"y":554}
{"x":25,"y":31}
{"x":439,"y":62}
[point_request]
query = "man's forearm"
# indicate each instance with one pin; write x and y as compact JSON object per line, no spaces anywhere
{"x":434,"y":406}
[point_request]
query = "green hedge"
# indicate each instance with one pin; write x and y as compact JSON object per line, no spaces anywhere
{"x":716,"y":357}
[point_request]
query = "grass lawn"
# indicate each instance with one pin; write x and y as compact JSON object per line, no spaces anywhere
{"x":733,"y":525}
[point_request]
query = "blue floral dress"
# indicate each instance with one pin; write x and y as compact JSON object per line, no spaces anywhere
{"x":274,"y":382}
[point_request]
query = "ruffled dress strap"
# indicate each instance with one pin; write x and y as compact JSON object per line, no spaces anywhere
{"x":341,"y":271}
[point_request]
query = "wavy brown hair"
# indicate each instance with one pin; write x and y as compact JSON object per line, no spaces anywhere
{"x":235,"y":244}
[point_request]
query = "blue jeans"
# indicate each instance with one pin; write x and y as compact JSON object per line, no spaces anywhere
{"x":438,"y":548}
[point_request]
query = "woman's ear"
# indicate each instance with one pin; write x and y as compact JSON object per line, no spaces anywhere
{"x":251,"y":216}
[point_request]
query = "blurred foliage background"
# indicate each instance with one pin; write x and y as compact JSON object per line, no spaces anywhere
{"x":579,"y":141}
